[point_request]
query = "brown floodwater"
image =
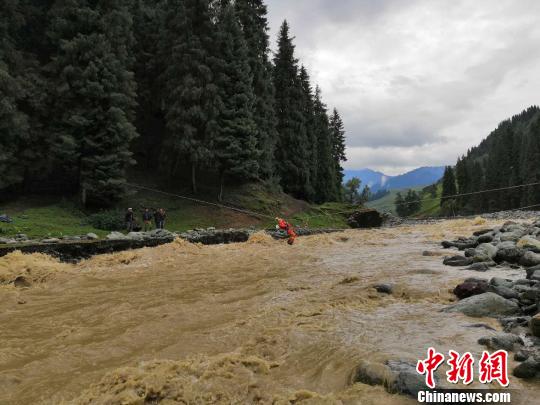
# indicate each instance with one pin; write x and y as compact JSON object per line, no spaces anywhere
{"x":259,"y":322}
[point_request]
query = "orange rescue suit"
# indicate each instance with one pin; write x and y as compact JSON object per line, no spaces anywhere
{"x":290,"y":230}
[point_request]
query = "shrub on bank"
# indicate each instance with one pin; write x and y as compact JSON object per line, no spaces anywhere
{"x":112,"y":220}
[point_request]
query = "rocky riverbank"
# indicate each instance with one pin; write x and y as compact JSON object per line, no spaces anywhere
{"x":75,"y":248}
{"x":515,"y":302}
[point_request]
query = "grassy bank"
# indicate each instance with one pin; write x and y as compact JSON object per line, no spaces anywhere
{"x":52,"y":216}
{"x":430,"y":207}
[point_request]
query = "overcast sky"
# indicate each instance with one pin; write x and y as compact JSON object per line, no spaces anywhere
{"x":418,"y":82}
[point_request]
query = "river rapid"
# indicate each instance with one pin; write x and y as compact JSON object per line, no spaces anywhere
{"x":259,"y":322}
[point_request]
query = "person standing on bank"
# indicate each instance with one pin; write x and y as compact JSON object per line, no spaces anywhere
{"x":147,"y":219}
{"x":130,"y":219}
{"x":161,"y":218}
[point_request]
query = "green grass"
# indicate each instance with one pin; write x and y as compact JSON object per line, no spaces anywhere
{"x":432,"y":207}
{"x":429,"y":208}
{"x":40,"y":217}
{"x":386,"y":204}
{"x":45,"y":218}
{"x":329,"y":215}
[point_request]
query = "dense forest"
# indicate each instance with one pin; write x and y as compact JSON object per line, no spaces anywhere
{"x":509,"y":156}
{"x":186,"y":89}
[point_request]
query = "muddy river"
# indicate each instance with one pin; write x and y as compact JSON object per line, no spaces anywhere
{"x":259,"y":322}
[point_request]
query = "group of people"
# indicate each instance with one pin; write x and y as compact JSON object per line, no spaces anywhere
{"x":157,"y":215}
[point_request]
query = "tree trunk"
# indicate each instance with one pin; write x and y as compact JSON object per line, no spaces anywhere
{"x":83,"y":196}
{"x":193,"y":179}
{"x":221,"y":185}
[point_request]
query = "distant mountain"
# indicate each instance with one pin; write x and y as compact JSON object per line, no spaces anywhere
{"x":423,"y":176}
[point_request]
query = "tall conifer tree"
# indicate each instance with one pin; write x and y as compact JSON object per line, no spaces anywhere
{"x":337,"y":130}
{"x":292,"y":156}
{"x":13,"y":122}
{"x":448,"y":185}
{"x":235,"y":143}
{"x":252,"y":15}
{"x":307,"y":103}
{"x":326,"y":186}
{"x":95,"y":94}
{"x":191,"y":101}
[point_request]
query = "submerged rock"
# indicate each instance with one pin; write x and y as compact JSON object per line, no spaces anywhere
{"x":384,"y":288}
{"x":395,"y":375}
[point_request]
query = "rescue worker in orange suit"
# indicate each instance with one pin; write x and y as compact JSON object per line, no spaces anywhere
{"x":285,"y":226}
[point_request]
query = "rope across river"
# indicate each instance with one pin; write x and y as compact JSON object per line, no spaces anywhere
{"x":306,"y":218}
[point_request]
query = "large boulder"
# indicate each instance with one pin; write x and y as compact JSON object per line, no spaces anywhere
{"x":365,"y":218}
{"x":504,"y":292}
{"x":482,"y":232}
{"x":529,"y":243}
{"x":407,"y":380}
{"x":528,"y":369}
{"x":530,"y":259}
{"x":512,"y":236}
{"x":136,"y":236}
{"x":396,"y":376}
{"x":485,"y":252}
{"x":531,"y":271}
{"x":485,"y":305}
{"x":486,"y":238}
{"x":534,"y":325}
{"x":461,"y":243}
{"x":508,"y":252}
{"x":116,"y":236}
{"x":502,"y":341}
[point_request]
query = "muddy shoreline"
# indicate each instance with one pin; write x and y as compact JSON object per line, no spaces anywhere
{"x":70,"y":251}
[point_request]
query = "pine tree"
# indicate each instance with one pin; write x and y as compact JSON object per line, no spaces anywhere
{"x":325,"y":185}
{"x":366,"y":195}
{"x":191,"y":100}
{"x":338,"y":144}
{"x":292,"y":154}
{"x":531,"y":156}
{"x":148,"y":18}
{"x":401,"y":207}
{"x":448,"y":185}
{"x":463,"y":182}
{"x":351,"y":190}
{"x":13,"y":122}
{"x":235,"y":144}
{"x":308,"y":110}
{"x":252,"y":15}
{"x":95,"y":94}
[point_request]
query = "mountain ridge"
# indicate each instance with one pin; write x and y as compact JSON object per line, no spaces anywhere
{"x":422,"y":176}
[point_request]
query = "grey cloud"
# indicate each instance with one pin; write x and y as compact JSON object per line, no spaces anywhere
{"x":418,"y":82}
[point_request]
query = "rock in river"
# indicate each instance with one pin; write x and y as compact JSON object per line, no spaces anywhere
{"x":488,"y":305}
{"x":534,"y":324}
{"x":502,"y":341}
{"x":458,"y":261}
{"x":471,"y":287}
{"x":366,"y":218}
{"x":530,"y":259}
